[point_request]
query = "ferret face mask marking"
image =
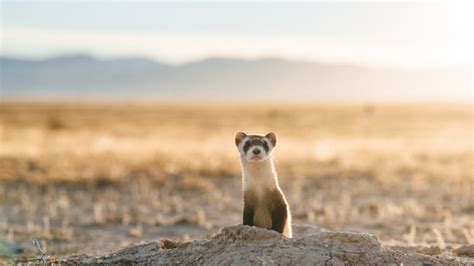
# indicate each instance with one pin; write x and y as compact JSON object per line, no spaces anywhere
{"x":255,"y":148}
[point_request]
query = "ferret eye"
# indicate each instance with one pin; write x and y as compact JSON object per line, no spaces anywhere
{"x":265,"y":146}
{"x":246,"y":146}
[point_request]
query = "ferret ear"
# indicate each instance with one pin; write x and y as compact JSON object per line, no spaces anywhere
{"x":272,"y":137}
{"x":239,"y":136}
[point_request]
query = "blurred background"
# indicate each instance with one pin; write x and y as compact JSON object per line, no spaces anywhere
{"x":117,"y":119}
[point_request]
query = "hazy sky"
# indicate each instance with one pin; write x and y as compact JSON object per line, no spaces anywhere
{"x":406,"y":34}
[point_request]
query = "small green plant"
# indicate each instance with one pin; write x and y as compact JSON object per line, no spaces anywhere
{"x":5,"y":254}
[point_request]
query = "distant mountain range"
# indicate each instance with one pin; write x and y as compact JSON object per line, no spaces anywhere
{"x":82,"y":77}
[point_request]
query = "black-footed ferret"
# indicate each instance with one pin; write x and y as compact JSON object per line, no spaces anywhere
{"x":264,"y":203}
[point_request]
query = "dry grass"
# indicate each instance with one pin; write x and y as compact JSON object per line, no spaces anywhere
{"x":92,"y":177}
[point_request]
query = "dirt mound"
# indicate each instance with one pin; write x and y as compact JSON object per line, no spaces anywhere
{"x":244,"y":245}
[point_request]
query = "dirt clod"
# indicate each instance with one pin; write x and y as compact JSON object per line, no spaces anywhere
{"x":168,"y":244}
{"x":467,"y":251}
{"x":429,"y":250}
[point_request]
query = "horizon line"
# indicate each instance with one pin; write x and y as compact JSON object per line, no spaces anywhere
{"x":350,"y":63}
{"x":229,"y":101}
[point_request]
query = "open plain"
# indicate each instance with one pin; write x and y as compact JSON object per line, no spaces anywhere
{"x":90,"y":178}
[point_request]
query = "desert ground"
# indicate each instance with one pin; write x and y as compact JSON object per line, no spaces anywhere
{"x":90,"y":178}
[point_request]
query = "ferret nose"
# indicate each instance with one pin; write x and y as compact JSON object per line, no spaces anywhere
{"x":256,"y":151}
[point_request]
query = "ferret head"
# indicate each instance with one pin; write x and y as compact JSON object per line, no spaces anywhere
{"x":255,"y":148}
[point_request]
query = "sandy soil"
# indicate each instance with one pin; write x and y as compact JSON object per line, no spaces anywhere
{"x":244,"y":245}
